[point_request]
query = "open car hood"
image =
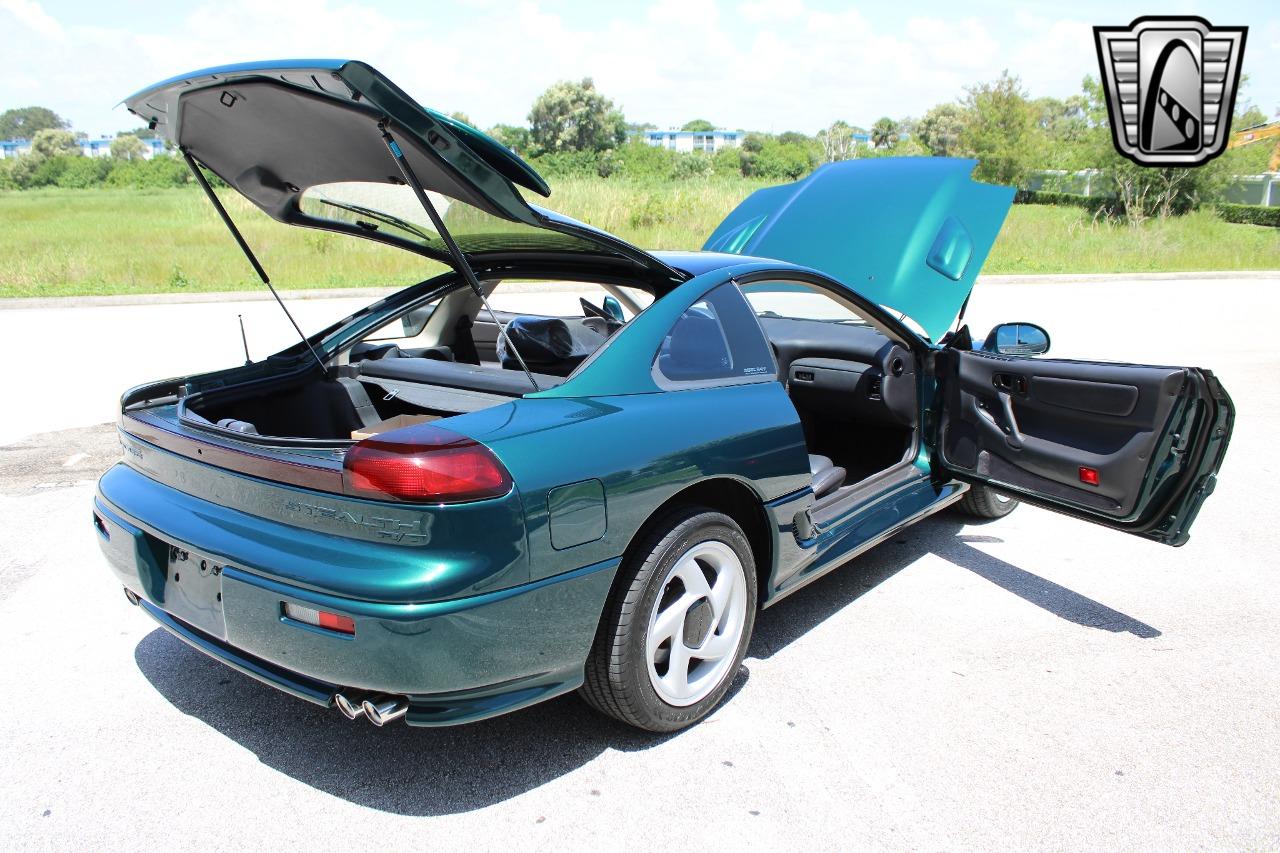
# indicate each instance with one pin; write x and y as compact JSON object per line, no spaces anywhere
{"x":909,"y":233}
{"x":295,"y":137}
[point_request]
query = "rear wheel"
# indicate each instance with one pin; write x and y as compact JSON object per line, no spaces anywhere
{"x":677,"y":625}
{"x":985,"y":502}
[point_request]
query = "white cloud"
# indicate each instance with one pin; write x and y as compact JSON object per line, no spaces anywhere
{"x":766,"y":11}
{"x":32,"y":16}
{"x":757,"y":64}
{"x":1039,"y":46}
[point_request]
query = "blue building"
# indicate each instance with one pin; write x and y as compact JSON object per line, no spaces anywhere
{"x":709,"y":141}
{"x":14,"y":148}
{"x":100,"y":147}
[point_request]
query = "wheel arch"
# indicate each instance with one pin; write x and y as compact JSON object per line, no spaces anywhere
{"x":734,"y":498}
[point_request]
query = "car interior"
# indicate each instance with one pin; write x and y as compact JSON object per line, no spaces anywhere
{"x":853,"y":387}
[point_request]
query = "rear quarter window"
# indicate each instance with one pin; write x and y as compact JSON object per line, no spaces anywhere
{"x":717,"y":341}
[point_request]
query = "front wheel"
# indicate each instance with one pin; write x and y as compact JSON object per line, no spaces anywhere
{"x":985,"y":502}
{"x":677,"y":624}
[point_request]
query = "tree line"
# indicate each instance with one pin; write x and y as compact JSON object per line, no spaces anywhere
{"x":574,"y":129}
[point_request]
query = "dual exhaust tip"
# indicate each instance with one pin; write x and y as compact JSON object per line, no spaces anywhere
{"x":379,"y":708}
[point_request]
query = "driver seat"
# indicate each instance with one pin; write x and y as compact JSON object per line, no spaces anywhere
{"x":825,"y":475}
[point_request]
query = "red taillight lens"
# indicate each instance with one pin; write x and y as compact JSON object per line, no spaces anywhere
{"x":429,"y":465}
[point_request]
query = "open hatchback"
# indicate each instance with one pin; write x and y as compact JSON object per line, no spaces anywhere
{"x":464,"y":499}
{"x":307,"y":141}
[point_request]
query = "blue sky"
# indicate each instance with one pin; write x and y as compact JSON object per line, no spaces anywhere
{"x":757,"y":64}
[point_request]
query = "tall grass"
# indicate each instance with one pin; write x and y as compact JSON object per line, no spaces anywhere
{"x":1047,"y":239}
{"x":101,"y":241}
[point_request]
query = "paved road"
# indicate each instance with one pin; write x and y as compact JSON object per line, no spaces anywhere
{"x":1034,"y":682}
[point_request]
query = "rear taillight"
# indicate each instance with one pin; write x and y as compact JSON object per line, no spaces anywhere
{"x":428,"y":465}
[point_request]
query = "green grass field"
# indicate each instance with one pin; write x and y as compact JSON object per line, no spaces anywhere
{"x":98,"y":241}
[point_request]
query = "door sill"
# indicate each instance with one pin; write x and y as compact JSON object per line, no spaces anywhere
{"x":828,"y":510}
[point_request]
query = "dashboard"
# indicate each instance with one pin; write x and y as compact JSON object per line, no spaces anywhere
{"x":844,"y":369}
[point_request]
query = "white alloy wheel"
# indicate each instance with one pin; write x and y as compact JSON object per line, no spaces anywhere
{"x":696,"y":623}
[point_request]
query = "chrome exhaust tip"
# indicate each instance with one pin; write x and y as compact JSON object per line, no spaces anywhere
{"x":349,"y":707}
{"x":384,"y":709}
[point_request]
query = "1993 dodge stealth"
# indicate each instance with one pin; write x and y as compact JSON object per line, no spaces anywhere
{"x":440,"y":511}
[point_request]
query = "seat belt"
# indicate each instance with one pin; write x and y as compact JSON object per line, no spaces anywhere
{"x":359,"y":397}
{"x":464,"y":344}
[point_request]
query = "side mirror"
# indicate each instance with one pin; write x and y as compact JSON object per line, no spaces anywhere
{"x":1017,"y":339}
{"x":613,"y":308}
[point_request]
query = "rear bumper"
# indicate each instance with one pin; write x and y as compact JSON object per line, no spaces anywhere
{"x":456,"y":660}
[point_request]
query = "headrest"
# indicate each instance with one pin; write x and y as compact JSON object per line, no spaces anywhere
{"x":550,"y":343}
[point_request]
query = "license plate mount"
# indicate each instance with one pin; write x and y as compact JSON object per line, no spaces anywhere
{"x":193,"y":591}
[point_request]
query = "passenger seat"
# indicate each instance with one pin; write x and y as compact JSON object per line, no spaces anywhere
{"x":825,"y":475}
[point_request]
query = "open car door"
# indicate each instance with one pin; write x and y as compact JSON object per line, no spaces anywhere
{"x":1131,"y":447}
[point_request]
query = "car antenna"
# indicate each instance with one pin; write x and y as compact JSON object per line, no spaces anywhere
{"x":244,"y":339}
{"x":248,"y":253}
{"x":455,"y":251}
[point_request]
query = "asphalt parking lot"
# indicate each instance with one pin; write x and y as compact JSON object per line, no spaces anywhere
{"x":1032,"y":682}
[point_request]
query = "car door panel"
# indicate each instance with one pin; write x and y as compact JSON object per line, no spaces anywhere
{"x":1118,"y":399}
{"x":1107,"y":442}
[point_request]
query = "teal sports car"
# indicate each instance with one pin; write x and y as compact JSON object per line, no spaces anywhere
{"x":567,"y":463}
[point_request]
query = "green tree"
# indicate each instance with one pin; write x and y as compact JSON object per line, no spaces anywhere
{"x":459,"y":115}
{"x":1252,"y":116}
{"x":769,"y":157}
{"x":514,"y":137}
{"x":126,"y":146}
{"x":884,"y":133}
{"x":838,"y":142}
{"x":728,"y":161}
{"x":1064,"y":128}
{"x":51,"y":143}
{"x":939,"y":130}
{"x":573,"y":116}
{"x":1142,"y":192}
{"x":909,"y":147}
{"x":1001,"y":131}
{"x":143,"y":132}
{"x":698,"y":125}
{"x":637,"y":159}
{"x":1247,"y":113}
{"x":83,"y":172}
{"x":696,"y":164}
{"x":26,"y":122}
{"x":7,"y":181}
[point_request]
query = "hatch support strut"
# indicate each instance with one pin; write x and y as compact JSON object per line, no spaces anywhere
{"x":455,"y":251}
{"x":248,"y":253}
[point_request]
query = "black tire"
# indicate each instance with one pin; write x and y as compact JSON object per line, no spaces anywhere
{"x":617,"y":673}
{"x":985,"y":502}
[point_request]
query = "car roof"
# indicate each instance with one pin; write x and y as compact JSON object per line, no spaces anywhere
{"x":698,"y":263}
